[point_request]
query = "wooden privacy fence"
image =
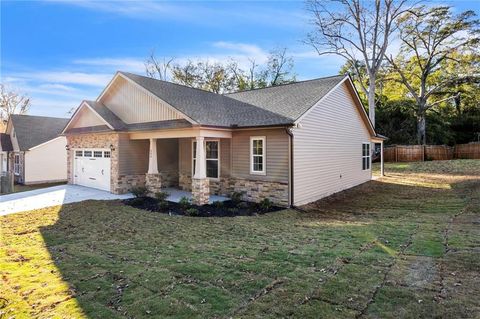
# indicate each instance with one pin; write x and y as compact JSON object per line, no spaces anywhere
{"x":415,"y":153}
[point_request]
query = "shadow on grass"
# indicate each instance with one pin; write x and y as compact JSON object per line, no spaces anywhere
{"x":120,"y":261}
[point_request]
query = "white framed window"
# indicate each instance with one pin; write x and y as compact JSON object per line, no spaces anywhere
{"x":212,"y":158}
{"x":258,"y":151}
{"x":78,"y":153}
{"x":87,"y":153}
{"x":97,"y":153}
{"x":366,"y":156}
{"x":106,"y":154}
{"x":16,"y":164}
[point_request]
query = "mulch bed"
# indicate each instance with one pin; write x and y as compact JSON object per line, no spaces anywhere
{"x":224,"y":209}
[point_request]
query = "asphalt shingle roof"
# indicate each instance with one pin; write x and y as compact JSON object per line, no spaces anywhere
{"x":208,"y":108}
{"x":34,"y":130}
{"x":289,"y":100}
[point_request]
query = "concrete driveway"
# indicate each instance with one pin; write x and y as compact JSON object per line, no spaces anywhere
{"x":52,"y":196}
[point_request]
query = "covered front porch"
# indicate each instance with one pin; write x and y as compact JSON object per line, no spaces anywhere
{"x":185,"y":163}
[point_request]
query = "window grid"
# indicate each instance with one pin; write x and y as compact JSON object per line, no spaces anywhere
{"x":97,"y":153}
{"x":257,"y":151}
{"x":79,"y":153}
{"x":106,"y":154}
{"x":366,"y":156}
{"x":212,"y":155}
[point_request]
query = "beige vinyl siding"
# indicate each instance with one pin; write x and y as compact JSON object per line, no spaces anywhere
{"x":328,"y":148}
{"x":276,"y":155}
{"x":134,"y":105}
{"x":47,"y":162}
{"x":185,"y":156}
{"x":86,"y":118}
{"x":167,"y":155}
{"x":133,"y":156}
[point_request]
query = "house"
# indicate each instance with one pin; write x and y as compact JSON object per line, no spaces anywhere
{"x":292,"y":143}
{"x":33,"y":149}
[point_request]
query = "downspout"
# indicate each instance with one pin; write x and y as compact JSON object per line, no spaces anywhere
{"x":290,"y":168}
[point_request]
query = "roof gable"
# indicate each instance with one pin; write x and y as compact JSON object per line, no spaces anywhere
{"x":34,"y":130}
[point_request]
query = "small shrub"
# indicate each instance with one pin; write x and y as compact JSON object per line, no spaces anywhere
{"x":139,"y":191}
{"x":242,"y":205}
{"x":162,"y":205}
{"x":161,"y":196}
{"x":137,"y":201}
{"x":265,"y":205}
{"x":233,"y":210}
{"x":218,"y":204}
{"x":184,"y":203}
{"x":192,"y":211}
{"x":237,"y":197}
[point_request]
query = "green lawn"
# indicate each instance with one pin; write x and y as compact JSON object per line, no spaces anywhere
{"x":404,"y":246}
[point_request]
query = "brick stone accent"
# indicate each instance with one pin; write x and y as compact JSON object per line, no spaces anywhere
{"x":255,"y":190}
{"x":124,"y":183}
{"x":169,"y":178}
{"x":117,"y":186}
{"x":200,"y":191}
{"x":185,"y":182}
{"x":153,"y":182}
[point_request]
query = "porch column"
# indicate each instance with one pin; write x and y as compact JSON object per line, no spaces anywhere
{"x":152,"y":159}
{"x":153,"y":180}
{"x":382,"y":170}
{"x":200,"y":183}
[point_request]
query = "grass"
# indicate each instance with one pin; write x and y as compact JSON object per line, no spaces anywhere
{"x":17,"y":188}
{"x":405,"y":245}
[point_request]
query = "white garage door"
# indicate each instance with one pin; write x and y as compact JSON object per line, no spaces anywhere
{"x":92,"y":168}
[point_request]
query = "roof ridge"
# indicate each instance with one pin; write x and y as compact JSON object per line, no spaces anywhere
{"x":169,"y":82}
{"x":290,"y":83}
{"x":49,"y":117}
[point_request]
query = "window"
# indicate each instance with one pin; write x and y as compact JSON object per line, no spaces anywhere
{"x":365,"y":156}
{"x":97,"y":153}
{"x":257,"y":155}
{"x":212,"y":155}
{"x":87,"y":153}
{"x":78,"y":153}
{"x":16,"y":164}
{"x":106,"y":154}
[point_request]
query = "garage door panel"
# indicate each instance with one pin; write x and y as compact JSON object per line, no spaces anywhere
{"x":92,"y":168}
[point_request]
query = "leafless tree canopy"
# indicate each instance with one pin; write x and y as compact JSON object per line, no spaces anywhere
{"x":11,"y":102}
{"x":224,"y":77}
{"x":357,"y":30}
{"x":431,"y":38}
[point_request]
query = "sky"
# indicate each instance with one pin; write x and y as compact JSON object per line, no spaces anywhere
{"x":60,"y":52}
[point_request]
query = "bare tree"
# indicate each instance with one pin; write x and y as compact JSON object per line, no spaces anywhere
{"x":158,"y":69}
{"x":11,"y":102}
{"x":433,"y":56}
{"x":357,"y":30}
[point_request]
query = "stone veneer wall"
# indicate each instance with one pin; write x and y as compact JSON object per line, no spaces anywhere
{"x":124,"y":183}
{"x":255,"y":190}
{"x":200,"y":191}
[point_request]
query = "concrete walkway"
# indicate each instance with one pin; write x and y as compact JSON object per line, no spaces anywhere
{"x":52,"y":196}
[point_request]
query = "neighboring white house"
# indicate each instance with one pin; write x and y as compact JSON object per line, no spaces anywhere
{"x":292,"y":143}
{"x":33,"y":150}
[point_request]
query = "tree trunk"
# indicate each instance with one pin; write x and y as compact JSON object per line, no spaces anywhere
{"x":371,"y":99}
{"x":421,"y":129}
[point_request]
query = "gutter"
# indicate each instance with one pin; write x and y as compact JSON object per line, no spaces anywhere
{"x":288,"y":130}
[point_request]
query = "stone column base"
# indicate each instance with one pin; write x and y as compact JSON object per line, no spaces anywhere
{"x":153,"y":182}
{"x":200,"y":191}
